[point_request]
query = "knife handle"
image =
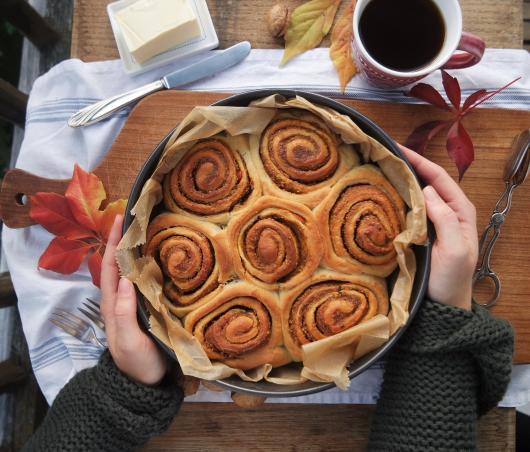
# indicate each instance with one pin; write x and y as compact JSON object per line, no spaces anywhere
{"x":106,"y":107}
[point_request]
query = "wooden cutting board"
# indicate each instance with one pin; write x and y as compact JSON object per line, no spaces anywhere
{"x":492,"y":132}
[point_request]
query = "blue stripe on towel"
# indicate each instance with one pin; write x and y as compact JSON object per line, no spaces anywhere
{"x":60,"y":110}
{"x":60,"y":347}
{"x":511,"y":93}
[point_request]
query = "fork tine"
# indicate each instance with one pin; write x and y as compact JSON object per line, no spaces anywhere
{"x":94,"y":318}
{"x":94,"y":303}
{"x":67,"y":329}
{"x":92,"y":309}
{"x":72,"y":319}
{"x":65,"y":321}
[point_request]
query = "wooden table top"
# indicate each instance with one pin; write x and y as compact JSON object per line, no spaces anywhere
{"x":239,"y":20}
{"x":279,"y":427}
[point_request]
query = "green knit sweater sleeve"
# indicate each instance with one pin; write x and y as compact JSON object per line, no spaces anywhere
{"x":100,"y":409}
{"x":450,"y":367}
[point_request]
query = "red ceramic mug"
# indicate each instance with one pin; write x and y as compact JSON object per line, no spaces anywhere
{"x":459,"y":49}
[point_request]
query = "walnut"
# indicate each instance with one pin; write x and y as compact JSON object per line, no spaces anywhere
{"x":278,"y":20}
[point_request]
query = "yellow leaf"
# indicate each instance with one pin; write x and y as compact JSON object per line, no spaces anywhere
{"x":340,"y":51}
{"x":109,"y":214}
{"x":309,"y":24}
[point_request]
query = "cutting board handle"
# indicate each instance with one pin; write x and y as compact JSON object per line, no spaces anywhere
{"x":17,"y":186}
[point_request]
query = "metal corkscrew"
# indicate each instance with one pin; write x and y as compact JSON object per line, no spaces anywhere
{"x":515,"y":173}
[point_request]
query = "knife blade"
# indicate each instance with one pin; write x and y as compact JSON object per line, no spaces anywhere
{"x":196,"y":71}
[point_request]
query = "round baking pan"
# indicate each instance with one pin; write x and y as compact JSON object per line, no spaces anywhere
{"x":423,"y":253}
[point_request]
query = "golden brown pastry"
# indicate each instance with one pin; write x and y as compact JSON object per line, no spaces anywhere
{"x":327,"y":304}
{"x":275,"y":243}
{"x":193,"y":260}
{"x":211,"y":180}
{"x":240,"y":326}
{"x":359,"y":219}
{"x":299,"y":158}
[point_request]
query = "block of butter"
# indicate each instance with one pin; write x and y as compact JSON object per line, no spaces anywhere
{"x":150,"y":27}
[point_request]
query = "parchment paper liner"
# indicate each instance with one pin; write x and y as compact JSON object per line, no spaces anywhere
{"x":325,"y":360}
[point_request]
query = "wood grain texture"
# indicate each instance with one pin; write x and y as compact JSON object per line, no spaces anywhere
{"x":205,"y":427}
{"x":492,"y":132}
{"x":237,"y":20}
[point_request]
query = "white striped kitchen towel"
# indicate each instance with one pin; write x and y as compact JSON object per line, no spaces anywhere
{"x":51,"y":148}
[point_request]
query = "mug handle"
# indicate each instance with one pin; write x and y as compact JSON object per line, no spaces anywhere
{"x":472,"y":50}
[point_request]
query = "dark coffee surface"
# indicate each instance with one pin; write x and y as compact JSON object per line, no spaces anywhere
{"x":403,"y":35}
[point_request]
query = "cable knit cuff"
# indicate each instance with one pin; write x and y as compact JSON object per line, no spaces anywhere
{"x":133,"y":396}
{"x":442,"y":328}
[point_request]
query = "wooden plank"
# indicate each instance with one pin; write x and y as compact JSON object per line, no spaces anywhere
{"x":10,"y":373}
{"x":22,"y":409}
{"x":24,"y":405}
{"x":297,"y":427}
{"x":12,"y":103}
{"x":23,"y":16}
{"x":235,"y":21}
{"x":155,"y":115}
{"x":7,"y":291}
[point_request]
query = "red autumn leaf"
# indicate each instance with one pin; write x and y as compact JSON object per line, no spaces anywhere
{"x":107,"y":218}
{"x":94,"y":265}
{"x":452,"y":89}
{"x":428,"y":94}
{"x":472,"y":98}
{"x":422,"y":135}
{"x":64,"y":256}
{"x":460,"y":147}
{"x":85,"y":195}
{"x":459,"y":144}
{"x":52,"y":212}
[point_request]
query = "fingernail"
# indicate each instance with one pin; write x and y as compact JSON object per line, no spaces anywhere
{"x":125,"y":288}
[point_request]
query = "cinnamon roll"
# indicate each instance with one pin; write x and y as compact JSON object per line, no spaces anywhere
{"x":299,"y":158}
{"x":275,"y":243}
{"x":327,"y":304}
{"x":191,"y":256}
{"x":359,"y":220}
{"x":211,"y":180}
{"x":241,"y":327}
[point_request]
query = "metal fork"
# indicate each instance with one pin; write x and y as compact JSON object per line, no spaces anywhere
{"x":75,"y":326}
{"x":93,"y":312}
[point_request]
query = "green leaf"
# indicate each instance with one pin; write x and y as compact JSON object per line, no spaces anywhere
{"x":309,"y":24}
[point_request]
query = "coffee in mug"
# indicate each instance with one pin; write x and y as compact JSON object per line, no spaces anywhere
{"x":397,"y":42}
{"x":403,"y":35}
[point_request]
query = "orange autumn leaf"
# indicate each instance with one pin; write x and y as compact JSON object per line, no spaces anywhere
{"x":64,"y":256}
{"x":84,"y":195}
{"x":82,"y":229}
{"x":52,"y":212}
{"x":340,"y":50}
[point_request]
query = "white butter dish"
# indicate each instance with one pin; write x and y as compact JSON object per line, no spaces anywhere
{"x":207,"y":40}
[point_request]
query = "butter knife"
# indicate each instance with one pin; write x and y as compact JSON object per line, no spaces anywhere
{"x":209,"y":66}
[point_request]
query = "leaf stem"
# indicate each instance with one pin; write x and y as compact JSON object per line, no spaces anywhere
{"x":489,"y":96}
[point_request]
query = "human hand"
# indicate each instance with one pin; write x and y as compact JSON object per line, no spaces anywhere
{"x":455,"y":250}
{"x":135,"y":354}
